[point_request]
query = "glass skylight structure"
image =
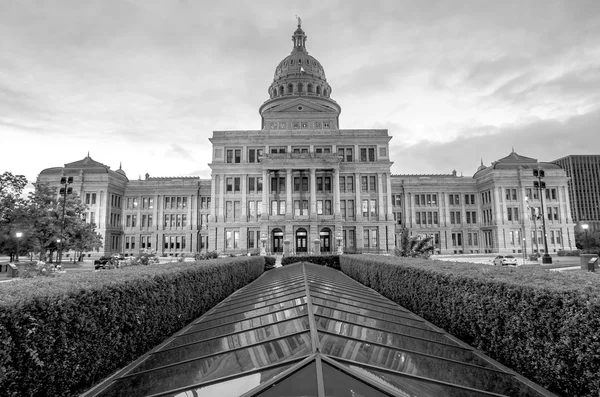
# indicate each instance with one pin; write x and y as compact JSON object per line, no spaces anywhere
{"x":308,"y":330}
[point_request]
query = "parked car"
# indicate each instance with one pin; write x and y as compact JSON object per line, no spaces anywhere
{"x":507,"y":260}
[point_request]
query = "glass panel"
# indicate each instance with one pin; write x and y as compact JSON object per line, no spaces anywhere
{"x":420,"y":365}
{"x":339,"y":384}
{"x":409,"y":386}
{"x":253,"y":303}
{"x":190,"y":336}
{"x":209,"y":368}
{"x":253,"y":313}
{"x":344,"y":298}
{"x":301,"y":383}
{"x":264,"y":292}
{"x":234,"y":387}
{"x":369,"y":312}
{"x":219,"y":345}
{"x":359,"y":293}
{"x":402,"y":342}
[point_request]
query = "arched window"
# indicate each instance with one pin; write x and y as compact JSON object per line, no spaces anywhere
{"x":300,"y":87}
{"x":281,"y":91}
{"x":309,"y":88}
{"x":318,"y":90}
{"x":290,"y":88}
{"x":325,"y":92}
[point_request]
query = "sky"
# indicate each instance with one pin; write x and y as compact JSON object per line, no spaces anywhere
{"x":144,"y":83}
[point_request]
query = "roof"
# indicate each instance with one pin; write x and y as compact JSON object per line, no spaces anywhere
{"x":314,"y":331}
{"x":515,"y":161}
{"x":87,"y":165}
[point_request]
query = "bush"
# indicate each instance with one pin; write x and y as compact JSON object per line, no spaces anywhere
{"x":544,"y":325}
{"x":568,"y":252}
{"x":200,"y":256}
{"x":270,"y":262}
{"x":61,"y":335}
{"x":323,"y":260}
{"x":143,"y":258}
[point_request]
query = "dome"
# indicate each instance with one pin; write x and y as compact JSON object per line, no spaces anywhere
{"x":299,"y":73}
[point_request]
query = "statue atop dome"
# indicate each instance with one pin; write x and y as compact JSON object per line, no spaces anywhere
{"x":299,"y":21}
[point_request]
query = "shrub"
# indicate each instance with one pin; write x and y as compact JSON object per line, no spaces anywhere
{"x":60,"y":335}
{"x":200,"y":256}
{"x":323,"y":260}
{"x":143,"y":258}
{"x":269,"y":262}
{"x":544,"y":325}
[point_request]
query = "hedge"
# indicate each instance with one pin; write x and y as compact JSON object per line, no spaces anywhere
{"x":270,"y":262}
{"x":62,"y":335}
{"x":544,"y":325}
{"x":324,"y":260}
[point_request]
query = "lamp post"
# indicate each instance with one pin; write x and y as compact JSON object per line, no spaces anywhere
{"x":541,"y":186}
{"x":585,"y":227}
{"x":19,"y":235}
{"x":534,"y":216}
{"x":65,"y":182}
{"x":263,"y":239}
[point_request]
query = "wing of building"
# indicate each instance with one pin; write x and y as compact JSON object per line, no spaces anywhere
{"x":302,"y":184}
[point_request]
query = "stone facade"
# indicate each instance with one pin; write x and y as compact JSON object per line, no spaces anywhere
{"x":301,"y":184}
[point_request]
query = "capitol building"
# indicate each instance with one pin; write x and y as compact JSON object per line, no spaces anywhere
{"x":303,"y":184}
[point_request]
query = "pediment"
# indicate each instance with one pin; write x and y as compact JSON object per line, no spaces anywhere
{"x":301,"y":105}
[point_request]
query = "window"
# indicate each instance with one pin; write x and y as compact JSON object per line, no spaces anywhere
{"x":350,"y":183}
{"x":373,"y":208}
{"x":469,"y":199}
{"x":275,"y":150}
{"x":456,"y":239}
{"x":367,"y":154}
{"x":454,"y":199}
{"x":364,"y":183}
{"x":455,"y":217}
{"x":350,"y":209}
{"x":342,"y":184}
{"x":346,"y":153}
{"x":254,"y":184}
{"x":372,"y":183}
{"x":236,"y":184}
{"x":254,"y":155}
{"x":277,"y":184}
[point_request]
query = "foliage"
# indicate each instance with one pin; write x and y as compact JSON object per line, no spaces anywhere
{"x":544,"y":325}
{"x":12,"y":211}
{"x":59,"y":336}
{"x":270,"y":262}
{"x":40,"y":218}
{"x":323,"y":260}
{"x":587,"y":240}
{"x":200,"y":256}
{"x":568,"y":252}
{"x":414,"y":246}
{"x":143,"y":258}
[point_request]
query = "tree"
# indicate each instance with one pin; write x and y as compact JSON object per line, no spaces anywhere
{"x":414,"y":246}
{"x":45,"y":223}
{"x":12,"y":211}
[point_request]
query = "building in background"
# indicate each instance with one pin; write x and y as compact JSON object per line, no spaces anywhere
{"x":301,"y":184}
{"x":584,"y":188}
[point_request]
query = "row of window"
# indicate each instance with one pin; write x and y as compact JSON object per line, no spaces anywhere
{"x":301,"y":184}
{"x":115,"y":201}
{"x":282,"y":125}
{"x":365,"y":154}
{"x":90,"y":198}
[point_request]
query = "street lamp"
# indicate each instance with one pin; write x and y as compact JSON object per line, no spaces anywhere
{"x":539,"y":174}
{"x":19,"y":235}
{"x":263,"y":239}
{"x":65,"y":182}
{"x":585,"y":227}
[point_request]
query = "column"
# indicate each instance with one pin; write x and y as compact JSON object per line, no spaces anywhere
{"x":411,"y":202}
{"x":221,"y":215}
{"x":191,"y":221}
{"x":265,"y":195}
{"x":313,"y":194}
{"x":380,"y":209}
{"x":244,"y":203}
{"x":289,"y":207}
{"x":213,"y":199}
{"x":358,"y":203}
{"x":336,"y":193}
{"x":389,"y":209}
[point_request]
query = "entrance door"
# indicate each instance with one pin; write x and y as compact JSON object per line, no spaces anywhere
{"x":325,"y":237}
{"x":301,"y":240}
{"x":277,"y":240}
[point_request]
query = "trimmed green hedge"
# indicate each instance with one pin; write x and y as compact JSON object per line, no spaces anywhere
{"x":270,"y":262}
{"x":544,"y":325}
{"x":324,"y":260}
{"x":62,"y":335}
